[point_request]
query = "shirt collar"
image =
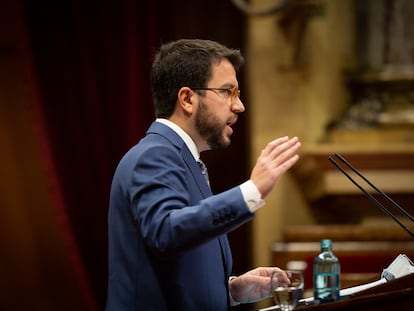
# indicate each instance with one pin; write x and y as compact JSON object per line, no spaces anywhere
{"x":184,"y":136}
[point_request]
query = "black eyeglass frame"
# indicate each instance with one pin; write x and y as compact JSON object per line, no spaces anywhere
{"x":234,"y":91}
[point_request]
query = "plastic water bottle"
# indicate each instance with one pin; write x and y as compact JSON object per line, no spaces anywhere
{"x":326,"y":274}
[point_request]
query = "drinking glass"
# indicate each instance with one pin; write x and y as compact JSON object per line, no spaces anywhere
{"x":287,"y":297}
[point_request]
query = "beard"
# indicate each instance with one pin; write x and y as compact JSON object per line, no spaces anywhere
{"x":210,"y":128}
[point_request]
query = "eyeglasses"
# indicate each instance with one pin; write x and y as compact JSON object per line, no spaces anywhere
{"x":232,"y":92}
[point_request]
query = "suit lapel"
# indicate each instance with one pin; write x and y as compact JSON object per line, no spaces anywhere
{"x":196,"y":172}
{"x":175,"y":139}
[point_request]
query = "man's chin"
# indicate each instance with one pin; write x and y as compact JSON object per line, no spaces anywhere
{"x":224,"y":143}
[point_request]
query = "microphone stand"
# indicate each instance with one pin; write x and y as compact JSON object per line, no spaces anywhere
{"x":370,"y":196}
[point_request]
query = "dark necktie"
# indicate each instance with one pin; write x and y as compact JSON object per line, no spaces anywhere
{"x":204,"y":171}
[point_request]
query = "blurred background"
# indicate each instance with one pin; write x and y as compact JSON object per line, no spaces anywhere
{"x":75,"y":96}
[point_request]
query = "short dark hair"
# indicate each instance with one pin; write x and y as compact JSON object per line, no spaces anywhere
{"x":185,"y":62}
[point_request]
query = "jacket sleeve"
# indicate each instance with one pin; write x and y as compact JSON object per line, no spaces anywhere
{"x":171,"y":212}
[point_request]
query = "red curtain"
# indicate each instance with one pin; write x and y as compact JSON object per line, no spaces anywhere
{"x":89,"y":81}
{"x":87,"y":65}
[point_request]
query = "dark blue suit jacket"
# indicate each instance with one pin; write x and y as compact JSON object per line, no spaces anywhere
{"x":168,"y":248}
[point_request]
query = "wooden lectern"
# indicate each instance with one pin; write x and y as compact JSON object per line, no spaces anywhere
{"x":393,"y":295}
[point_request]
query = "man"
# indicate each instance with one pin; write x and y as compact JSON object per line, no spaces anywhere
{"x":168,"y":248}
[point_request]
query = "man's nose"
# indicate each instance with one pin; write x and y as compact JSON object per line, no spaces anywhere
{"x":237,"y":105}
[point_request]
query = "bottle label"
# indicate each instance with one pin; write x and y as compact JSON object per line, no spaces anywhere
{"x":326,"y":286}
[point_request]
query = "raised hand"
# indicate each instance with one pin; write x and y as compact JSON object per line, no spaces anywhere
{"x":275,"y":159}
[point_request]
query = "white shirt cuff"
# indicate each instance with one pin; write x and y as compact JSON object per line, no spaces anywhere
{"x":232,"y":301}
{"x":251,"y":196}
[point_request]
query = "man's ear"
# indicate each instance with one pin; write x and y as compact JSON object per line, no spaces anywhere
{"x":186,"y":99}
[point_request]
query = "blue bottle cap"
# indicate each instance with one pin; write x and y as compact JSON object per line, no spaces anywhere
{"x":326,"y":243}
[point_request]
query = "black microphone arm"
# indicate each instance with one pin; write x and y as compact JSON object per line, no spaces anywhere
{"x":370,"y":196}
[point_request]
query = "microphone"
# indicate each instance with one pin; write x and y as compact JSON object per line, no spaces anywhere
{"x":370,"y":196}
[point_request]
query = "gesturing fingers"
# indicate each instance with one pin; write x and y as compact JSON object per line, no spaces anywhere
{"x":277,"y":157}
{"x":282,"y":150}
{"x":273,"y":145}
